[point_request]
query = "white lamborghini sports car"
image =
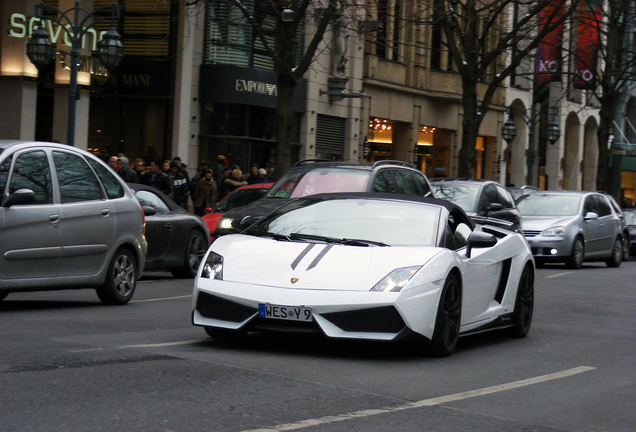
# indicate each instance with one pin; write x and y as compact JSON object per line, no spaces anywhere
{"x":367,"y":266}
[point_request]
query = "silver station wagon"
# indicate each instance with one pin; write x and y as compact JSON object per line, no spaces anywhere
{"x":67,"y":221}
{"x":571,"y":227}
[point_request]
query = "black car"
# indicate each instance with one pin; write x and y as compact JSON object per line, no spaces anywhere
{"x":177,"y":239}
{"x":312,"y":177}
{"x":480,"y":199}
{"x":630,"y":220}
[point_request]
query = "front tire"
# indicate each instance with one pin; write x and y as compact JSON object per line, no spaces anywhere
{"x":448,"y":318}
{"x":524,"y":304}
{"x":195,"y":250}
{"x":121,"y":279}
{"x":577,"y":255}
{"x":617,"y":254}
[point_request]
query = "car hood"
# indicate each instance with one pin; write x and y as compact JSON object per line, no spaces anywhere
{"x":257,"y":209}
{"x":317,"y":266}
{"x":539,"y":223}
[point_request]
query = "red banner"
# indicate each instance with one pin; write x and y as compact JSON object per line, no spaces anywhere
{"x":547,"y":66}
{"x":587,"y":44}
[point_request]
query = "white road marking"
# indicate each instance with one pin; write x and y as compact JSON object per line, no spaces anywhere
{"x":558,"y":274}
{"x":165,"y":344}
{"x":161,"y":299}
{"x":426,"y":402}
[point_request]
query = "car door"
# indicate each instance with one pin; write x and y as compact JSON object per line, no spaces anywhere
{"x":607,"y":225}
{"x":591,"y":228}
{"x":481,"y":275}
{"x":160,"y":227}
{"x":30,"y":233}
{"x":88,"y":223}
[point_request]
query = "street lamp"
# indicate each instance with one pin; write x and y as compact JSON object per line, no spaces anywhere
{"x":41,"y":51}
{"x":509,"y":130}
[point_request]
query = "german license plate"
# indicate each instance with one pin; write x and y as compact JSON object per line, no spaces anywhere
{"x":292,"y":313}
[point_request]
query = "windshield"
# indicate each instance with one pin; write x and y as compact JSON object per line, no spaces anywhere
{"x":539,"y":204}
{"x":630,"y":217}
{"x":464,"y":195}
{"x":295,"y":184}
{"x":239,"y":199}
{"x":375,"y":221}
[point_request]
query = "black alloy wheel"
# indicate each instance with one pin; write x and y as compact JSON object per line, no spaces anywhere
{"x":448,"y":318}
{"x":524,"y":304}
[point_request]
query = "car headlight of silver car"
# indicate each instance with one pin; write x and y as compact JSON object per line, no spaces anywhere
{"x":225,"y":223}
{"x":396,"y":280}
{"x":554,"y":232}
{"x":213,"y":267}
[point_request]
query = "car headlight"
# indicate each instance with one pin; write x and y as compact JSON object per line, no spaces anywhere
{"x":213,"y":267}
{"x":554,"y":232}
{"x":225,"y":223}
{"x":396,"y":280}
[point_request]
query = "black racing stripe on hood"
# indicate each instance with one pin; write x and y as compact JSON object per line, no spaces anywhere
{"x":300,"y":257}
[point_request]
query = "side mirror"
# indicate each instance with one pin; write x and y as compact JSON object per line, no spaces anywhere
{"x":20,"y":197}
{"x":590,"y":216}
{"x":243,"y":223}
{"x":480,"y":239}
{"x":495,"y":207}
{"x":149,"y":211}
{"x":207,"y":210}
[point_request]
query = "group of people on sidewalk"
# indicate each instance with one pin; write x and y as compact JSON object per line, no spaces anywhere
{"x":171,"y":178}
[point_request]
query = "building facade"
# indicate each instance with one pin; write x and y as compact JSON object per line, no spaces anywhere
{"x":196,"y":83}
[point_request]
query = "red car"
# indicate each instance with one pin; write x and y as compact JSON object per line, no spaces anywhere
{"x":240,"y":197}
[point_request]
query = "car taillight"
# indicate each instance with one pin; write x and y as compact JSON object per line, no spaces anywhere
{"x":143,"y":220}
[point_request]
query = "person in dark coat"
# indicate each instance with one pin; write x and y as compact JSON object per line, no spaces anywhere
{"x":204,"y":194}
{"x":179,"y":183}
{"x":129,"y":175}
{"x":255,"y":176}
{"x":158,"y":179}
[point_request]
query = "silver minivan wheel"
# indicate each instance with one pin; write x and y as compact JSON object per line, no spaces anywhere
{"x":121,"y":279}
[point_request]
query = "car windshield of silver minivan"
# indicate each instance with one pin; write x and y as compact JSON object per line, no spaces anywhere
{"x":295,"y":184}
{"x":539,"y":204}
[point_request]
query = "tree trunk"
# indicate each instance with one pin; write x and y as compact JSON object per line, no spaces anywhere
{"x":470,"y":130}
{"x":285,"y":83}
{"x":603,"y":170}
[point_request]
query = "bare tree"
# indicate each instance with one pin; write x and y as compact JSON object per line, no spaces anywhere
{"x":486,"y":41}
{"x":609,"y":71}
{"x":291,"y":16}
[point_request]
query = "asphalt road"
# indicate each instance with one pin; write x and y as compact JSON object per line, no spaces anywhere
{"x":67,"y":363}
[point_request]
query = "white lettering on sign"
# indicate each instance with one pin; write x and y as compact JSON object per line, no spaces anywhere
{"x":250,"y":86}
{"x":551,"y":66}
{"x":19,"y":24}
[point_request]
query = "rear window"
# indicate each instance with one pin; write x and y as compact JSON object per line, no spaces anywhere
{"x":296,"y":184}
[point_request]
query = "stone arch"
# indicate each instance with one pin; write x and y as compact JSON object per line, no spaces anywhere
{"x":515,"y":152}
{"x":590,"y":154}
{"x":570,"y":162}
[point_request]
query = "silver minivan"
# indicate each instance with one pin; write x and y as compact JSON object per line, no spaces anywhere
{"x":571,"y":227}
{"x":67,"y":221}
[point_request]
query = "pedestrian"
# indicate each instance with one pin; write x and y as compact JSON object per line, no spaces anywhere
{"x":205,"y":194}
{"x":235,"y":181}
{"x":255,"y":176}
{"x":158,"y":179}
{"x":221,"y":186}
{"x":129,"y":175}
{"x":179,"y":185}
{"x":112,"y":162}
{"x":139,"y":166}
{"x":201,"y":170}
{"x":166,"y":166}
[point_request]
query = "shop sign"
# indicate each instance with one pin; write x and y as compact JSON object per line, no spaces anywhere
{"x":23,"y":26}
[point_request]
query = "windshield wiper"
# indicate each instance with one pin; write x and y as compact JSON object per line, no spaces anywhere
{"x":344,"y":241}
{"x":280,"y":237}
